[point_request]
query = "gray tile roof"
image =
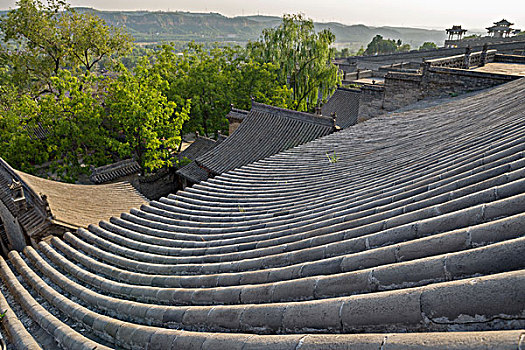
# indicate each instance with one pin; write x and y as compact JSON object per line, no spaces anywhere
{"x":345,"y":104}
{"x":237,"y":114}
{"x":200,"y":146}
{"x":265,"y":131}
{"x":115,"y":171}
{"x":410,"y":236}
{"x":193,"y":173}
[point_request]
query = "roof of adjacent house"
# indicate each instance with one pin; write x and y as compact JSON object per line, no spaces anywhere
{"x":115,"y":171}
{"x":198,"y":147}
{"x":193,"y":173}
{"x":82,"y":205}
{"x":265,"y":131}
{"x":345,"y":104}
{"x":237,"y":114}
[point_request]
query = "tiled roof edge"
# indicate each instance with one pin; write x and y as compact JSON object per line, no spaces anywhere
{"x":288,"y":113}
{"x":238,"y":114}
{"x":349,"y":89}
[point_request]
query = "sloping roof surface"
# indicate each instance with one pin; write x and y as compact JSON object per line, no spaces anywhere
{"x":115,"y":171}
{"x":237,"y":114}
{"x":193,"y":173}
{"x":345,"y":104}
{"x":200,"y":146}
{"x":412,"y":237}
{"x":264,"y":132}
{"x":81,"y":205}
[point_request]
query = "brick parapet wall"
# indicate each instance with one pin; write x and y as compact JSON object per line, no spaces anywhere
{"x":509,"y":58}
{"x":482,"y":41}
{"x":458,"y":61}
{"x":513,"y":47}
{"x":401,"y":89}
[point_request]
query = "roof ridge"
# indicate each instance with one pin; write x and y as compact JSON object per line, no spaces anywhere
{"x":115,"y":165}
{"x":204,"y":138}
{"x":348,"y":89}
{"x":288,"y":113}
{"x":238,"y":110}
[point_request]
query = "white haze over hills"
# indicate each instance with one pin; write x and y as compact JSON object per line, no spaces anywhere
{"x":471,"y":14}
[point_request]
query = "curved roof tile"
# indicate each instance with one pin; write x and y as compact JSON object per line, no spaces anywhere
{"x":265,"y":131}
{"x":345,"y":104}
{"x":405,"y":231}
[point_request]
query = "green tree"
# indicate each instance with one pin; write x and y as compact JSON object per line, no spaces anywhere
{"x":403,"y":48}
{"x":378,"y":45}
{"x":89,"y":39}
{"x":304,"y":58}
{"x":427,"y":45}
{"x":18,"y":146}
{"x":361,"y":51}
{"x":139,"y":112}
{"x":71,"y":119}
{"x":215,"y":78}
{"x":259,"y":81}
{"x":42,"y":38}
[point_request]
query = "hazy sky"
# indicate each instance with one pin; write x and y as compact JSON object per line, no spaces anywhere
{"x":418,"y":13}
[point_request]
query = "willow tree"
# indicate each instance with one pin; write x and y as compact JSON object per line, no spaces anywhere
{"x":304,"y":58}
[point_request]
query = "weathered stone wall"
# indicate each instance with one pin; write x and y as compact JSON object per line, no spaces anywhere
{"x":481,"y":41}
{"x":370,"y":102}
{"x":444,"y":81}
{"x":401,"y":89}
{"x":157,"y":185}
{"x":517,"y":47}
{"x":407,"y":67}
{"x":509,"y":58}
{"x":458,"y":61}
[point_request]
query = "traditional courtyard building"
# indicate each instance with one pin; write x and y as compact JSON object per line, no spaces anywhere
{"x":456,"y":33}
{"x":404,"y":231}
{"x":500,"y":29}
{"x":32,"y":208}
{"x":264,"y":131}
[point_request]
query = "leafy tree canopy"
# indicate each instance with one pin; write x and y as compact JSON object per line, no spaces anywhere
{"x":304,"y":59}
{"x":215,"y":78}
{"x":58,"y":110}
{"x":428,"y":46}
{"x":72,"y":96}
{"x":43,"y":38}
{"x":378,"y":45}
{"x":141,"y":113}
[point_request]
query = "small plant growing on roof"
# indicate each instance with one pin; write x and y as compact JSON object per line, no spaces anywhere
{"x":2,"y":315}
{"x":241,"y":209}
{"x":332,"y":158}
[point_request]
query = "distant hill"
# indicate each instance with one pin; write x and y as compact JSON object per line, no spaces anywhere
{"x":152,"y":27}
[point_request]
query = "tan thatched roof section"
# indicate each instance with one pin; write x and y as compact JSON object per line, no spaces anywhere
{"x":81,"y":205}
